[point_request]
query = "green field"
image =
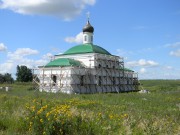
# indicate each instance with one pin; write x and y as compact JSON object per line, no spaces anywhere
{"x":24,"y":111}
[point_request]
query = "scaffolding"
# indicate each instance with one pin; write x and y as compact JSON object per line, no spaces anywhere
{"x":105,"y":74}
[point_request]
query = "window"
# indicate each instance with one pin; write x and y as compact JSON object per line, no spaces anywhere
{"x":100,"y":81}
{"x":114,"y":81}
{"x":91,"y":38}
{"x":85,"y":38}
{"x":82,"y":80}
{"x":54,"y":78}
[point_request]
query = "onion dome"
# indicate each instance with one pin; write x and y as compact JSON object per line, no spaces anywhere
{"x":88,"y":27}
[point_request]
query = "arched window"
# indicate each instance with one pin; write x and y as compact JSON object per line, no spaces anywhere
{"x":54,"y":78}
{"x":100,"y":81}
{"x":91,"y":38}
{"x":114,"y":80}
{"x":82,"y":80}
{"x":85,"y":38}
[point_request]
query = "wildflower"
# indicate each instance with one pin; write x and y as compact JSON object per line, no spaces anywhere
{"x":125,"y":115}
{"x":27,"y":107}
{"x":34,"y":100}
{"x":41,"y":120}
{"x":47,"y":114}
{"x":110,"y":116}
{"x":33,"y":108}
{"x":31,"y":123}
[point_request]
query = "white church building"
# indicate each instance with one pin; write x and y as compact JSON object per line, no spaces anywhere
{"x":86,"y":68}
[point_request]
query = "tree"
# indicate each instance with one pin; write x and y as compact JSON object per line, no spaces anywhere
{"x":6,"y":78}
{"x":24,"y":74}
{"x":1,"y":78}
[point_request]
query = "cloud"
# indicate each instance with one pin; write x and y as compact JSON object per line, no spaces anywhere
{"x":77,"y":39}
{"x":60,"y":8}
{"x":175,"y":53}
{"x":6,"y":67}
{"x":142,"y":63}
{"x":2,"y":47}
{"x":47,"y":56}
{"x":142,"y":71}
{"x":169,"y":67}
{"x":173,"y":45}
{"x":20,"y":57}
{"x":122,"y":52}
{"x":21,"y":52}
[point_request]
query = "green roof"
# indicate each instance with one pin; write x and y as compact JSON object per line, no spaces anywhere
{"x":86,"y":48}
{"x":64,"y":62}
{"x":127,"y":69}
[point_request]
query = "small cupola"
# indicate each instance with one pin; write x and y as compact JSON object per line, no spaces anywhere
{"x":88,"y":27}
{"x":88,"y":33}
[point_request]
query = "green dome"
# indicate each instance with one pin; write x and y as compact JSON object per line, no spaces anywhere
{"x":86,"y":48}
{"x":64,"y":62}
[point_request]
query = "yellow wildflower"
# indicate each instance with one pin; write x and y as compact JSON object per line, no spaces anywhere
{"x":34,"y":100}
{"x":47,"y":114}
{"x":41,"y":120}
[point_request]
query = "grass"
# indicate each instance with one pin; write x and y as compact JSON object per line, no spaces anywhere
{"x":24,"y":111}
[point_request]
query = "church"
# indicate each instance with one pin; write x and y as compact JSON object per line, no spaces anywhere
{"x":86,"y":68}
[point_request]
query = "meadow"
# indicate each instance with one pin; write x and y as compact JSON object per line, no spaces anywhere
{"x":24,"y":111}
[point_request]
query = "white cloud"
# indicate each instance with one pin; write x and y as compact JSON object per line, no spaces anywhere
{"x":2,"y":47}
{"x":143,"y":63}
{"x":142,"y":71}
{"x":6,"y":67}
{"x":175,"y":53}
{"x":20,"y":57}
{"x":21,"y":52}
{"x":173,"y":45}
{"x":77,"y":39}
{"x":169,"y":67}
{"x":47,"y":56}
{"x":122,"y":52}
{"x":60,"y":8}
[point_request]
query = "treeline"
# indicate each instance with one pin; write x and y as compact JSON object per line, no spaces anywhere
{"x":23,"y":74}
{"x":6,"y":78}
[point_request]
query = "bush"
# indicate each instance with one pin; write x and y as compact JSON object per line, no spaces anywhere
{"x":59,"y":119}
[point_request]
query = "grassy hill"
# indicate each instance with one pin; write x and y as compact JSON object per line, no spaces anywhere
{"x":24,"y":111}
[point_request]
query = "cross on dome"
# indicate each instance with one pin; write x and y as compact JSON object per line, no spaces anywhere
{"x":88,"y":27}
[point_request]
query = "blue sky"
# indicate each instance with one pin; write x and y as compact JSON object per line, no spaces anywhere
{"x":145,"y":32}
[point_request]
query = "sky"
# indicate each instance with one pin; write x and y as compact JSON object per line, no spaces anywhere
{"x":146,"y":33}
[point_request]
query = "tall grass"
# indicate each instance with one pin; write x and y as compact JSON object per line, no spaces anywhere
{"x":26,"y":111}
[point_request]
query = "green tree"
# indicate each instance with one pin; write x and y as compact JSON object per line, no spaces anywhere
{"x":8,"y":78}
{"x":1,"y":78}
{"x":24,"y":74}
